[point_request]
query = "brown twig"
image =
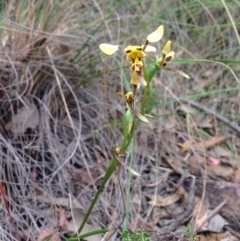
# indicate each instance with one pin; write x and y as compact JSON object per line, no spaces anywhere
{"x":234,"y":233}
{"x":211,"y":215}
{"x":219,"y":117}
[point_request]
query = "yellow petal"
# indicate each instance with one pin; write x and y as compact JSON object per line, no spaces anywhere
{"x":150,"y":48}
{"x":134,"y":52}
{"x":156,"y":35}
{"x":130,"y":48}
{"x":167,"y":48}
{"x":120,"y":93}
{"x":134,"y":78}
{"x":137,"y":65}
{"x":129,"y":96}
{"x":109,"y":49}
{"x":142,"y":80}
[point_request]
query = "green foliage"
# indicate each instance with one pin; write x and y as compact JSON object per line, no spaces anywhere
{"x":138,"y":236}
{"x":190,"y":233}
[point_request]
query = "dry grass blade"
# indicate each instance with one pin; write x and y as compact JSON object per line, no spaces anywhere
{"x":58,"y":102}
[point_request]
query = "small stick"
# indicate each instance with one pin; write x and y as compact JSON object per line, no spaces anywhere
{"x":219,"y":117}
{"x":211,"y":215}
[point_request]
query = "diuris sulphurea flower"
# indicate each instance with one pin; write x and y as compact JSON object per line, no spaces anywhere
{"x":135,"y":54}
{"x":130,"y":101}
{"x":167,"y":57}
{"x":119,"y":155}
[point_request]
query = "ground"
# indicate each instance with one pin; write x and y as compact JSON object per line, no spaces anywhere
{"x":61,"y":117}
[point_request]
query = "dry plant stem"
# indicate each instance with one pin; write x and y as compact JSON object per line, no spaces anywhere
{"x":125,"y":143}
{"x":230,"y":230}
{"x":124,"y":205}
{"x":9,"y":214}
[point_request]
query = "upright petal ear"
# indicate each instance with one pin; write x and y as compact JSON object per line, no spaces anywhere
{"x":109,"y":49}
{"x":156,"y":35}
{"x":167,"y":48}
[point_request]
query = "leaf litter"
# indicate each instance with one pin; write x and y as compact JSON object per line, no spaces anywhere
{"x":56,"y":162}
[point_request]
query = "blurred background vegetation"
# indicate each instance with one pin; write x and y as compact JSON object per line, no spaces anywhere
{"x":60,"y":115}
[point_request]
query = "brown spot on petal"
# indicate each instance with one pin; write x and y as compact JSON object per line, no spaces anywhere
{"x":164,"y":64}
{"x":128,"y":51}
{"x":168,"y":59}
{"x":140,"y":49}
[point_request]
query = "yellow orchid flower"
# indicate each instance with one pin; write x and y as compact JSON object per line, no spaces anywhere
{"x":135,"y":54}
{"x":128,"y":97}
{"x":168,"y":56}
{"x":130,"y":101}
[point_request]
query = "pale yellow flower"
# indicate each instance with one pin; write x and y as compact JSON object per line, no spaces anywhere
{"x":136,"y":53}
{"x":156,"y":35}
{"x":168,"y":55}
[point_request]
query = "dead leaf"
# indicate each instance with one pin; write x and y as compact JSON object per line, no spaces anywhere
{"x":237,"y":175}
{"x":162,"y":202}
{"x":27,"y":117}
{"x":186,"y":145}
{"x":156,"y":215}
{"x":63,"y":222}
{"x":221,"y":152}
{"x":209,"y":143}
{"x":64,"y":48}
{"x":4,"y":40}
{"x":206,"y":122}
{"x":208,"y":236}
{"x":220,"y":170}
{"x":48,"y":232}
{"x":195,"y":162}
{"x":186,"y":109}
{"x":175,"y":165}
{"x":224,"y":155}
{"x":75,"y":223}
{"x":202,"y":144}
{"x":200,"y":214}
{"x":154,"y":184}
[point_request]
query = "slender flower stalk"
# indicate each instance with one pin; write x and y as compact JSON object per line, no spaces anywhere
{"x":140,"y":76}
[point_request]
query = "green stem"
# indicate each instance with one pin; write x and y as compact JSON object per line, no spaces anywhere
{"x":152,"y":71}
{"x":127,"y":122}
{"x":129,"y":186}
{"x":99,"y":231}
{"x":110,"y":170}
{"x":126,"y":142}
